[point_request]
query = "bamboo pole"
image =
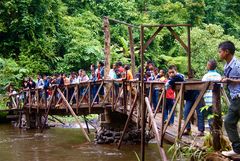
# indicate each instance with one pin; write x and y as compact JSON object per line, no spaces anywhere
{"x":155,"y":129}
{"x":143,"y":108}
{"x":74,"y":115}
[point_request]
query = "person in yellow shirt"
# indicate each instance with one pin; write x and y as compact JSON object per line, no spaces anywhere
{"x":162,"y":74}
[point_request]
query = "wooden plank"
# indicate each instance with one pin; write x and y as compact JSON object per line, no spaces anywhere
{"x":158,"y":104}
{"x":166,"y":25}
{"x":150,"y":93}
{"x":130,"y":93}
{"x":162,"y":120}
{"x":124,"y":97}
{"x":84,"y":94}
{"x":151,"y":39}
{"x":107,"y":94}
{"x":191,"y":86}
{"x":74,"y":95}
{"x":67,"y":94}
{"x":29,"y":100}
{"x":121,"y":22}
{"x":180,"y":110}
{"x":97,"y":92}
{"x":77,"y":98}
{"x":37,"y":99}
{"x":113,"y":94}
{"x":89,"y":98}
{"x":178,"y":38}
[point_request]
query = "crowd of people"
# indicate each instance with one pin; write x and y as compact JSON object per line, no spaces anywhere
{"x":169,"y":77}
{"x":120,"y":71}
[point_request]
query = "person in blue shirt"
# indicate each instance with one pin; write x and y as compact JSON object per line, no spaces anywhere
{"x":190,"y":96}
{"x":232,"y":75}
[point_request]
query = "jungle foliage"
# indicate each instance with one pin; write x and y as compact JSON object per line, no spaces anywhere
{"x":49,"y":36}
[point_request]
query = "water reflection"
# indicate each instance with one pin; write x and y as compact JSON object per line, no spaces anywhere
{"x":60,"y":144}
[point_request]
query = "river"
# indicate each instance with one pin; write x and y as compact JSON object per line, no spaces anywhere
{"x":63,"y":144}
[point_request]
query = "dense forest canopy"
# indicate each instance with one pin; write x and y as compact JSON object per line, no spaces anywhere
{"x":53,"y":36}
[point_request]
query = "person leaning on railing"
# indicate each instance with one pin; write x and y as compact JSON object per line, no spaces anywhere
{"x":169,"y":86}
{"x":190,"y":96}
{"x":232,"y":75}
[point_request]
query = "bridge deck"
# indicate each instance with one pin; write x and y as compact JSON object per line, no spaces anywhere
{"x":171,"y":133}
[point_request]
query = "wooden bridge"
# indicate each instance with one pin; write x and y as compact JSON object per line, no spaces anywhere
{"x":124,"y":97}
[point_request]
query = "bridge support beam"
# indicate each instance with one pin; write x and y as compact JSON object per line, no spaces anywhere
{"x":217,"y":119}
{"x":74,"y":115}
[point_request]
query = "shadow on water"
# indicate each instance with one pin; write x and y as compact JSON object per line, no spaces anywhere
{"x":63,"y":144}
{"x":3,"y":117}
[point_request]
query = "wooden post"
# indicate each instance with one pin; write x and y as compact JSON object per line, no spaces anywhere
{"x":131,"y":43}
{"x":217,"y":119}
{"x":107,"y":42}
{"x":77,"y":98}
{"x":124,"y":96}
{"x":143,"y":107}
{"x":190,"y":74}
{"x":89,"y":97}
{"x":29,"y":100}
{"x":73,"y":113}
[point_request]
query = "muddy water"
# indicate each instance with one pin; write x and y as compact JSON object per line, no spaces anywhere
{"x":62,"y":144}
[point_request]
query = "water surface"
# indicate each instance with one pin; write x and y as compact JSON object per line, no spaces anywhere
{"x":63,"y":144}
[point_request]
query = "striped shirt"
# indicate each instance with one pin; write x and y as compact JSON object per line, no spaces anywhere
{"x":211,"y":75}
